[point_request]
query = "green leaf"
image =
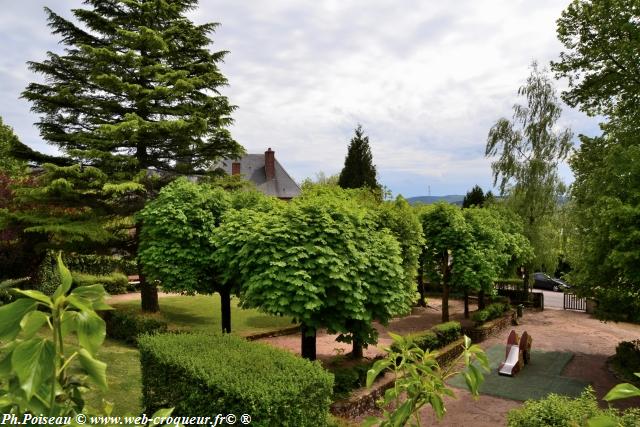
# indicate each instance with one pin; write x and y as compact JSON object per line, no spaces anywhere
{"x":32,"y":322}
{"x":33,"y":362}
{"x":93,"y":293}
{"x":35,"y":295}
{"x":80,"y":303}
{"x":95,"y":369}
{"x":375,"y":370}
{"x":11,"y":315}
{"x":622,"y":391}
{"x":91,"y":331}
{"x":65,"y":279}
{"x":69,"y":322}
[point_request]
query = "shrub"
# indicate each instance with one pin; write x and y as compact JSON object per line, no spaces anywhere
{"x":562,"y":411}
{"x":114,"y":283}
{"x":492,"y":311}
{"x":127,"y":327}
{"x":202,"y":374}
{"x":628,"y":357}
{"x":447,"y":332}
{"x":350,"y":378}
{"x":100,"y":265}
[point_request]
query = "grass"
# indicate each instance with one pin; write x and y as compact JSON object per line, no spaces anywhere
{"x":536,"y":380}
{"x":202,"y":313}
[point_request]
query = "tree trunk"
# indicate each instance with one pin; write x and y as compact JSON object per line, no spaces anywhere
{"x":356,"y":351}
{"x":422,"y":302}
{"x":525,"y":284}
{"x":148,"y":291}
{"x":445,"y":302}
{"x":466,"y":304}
{"x":481,"y":302}
{"x":225,"y":308}
{"x":308,"y":347}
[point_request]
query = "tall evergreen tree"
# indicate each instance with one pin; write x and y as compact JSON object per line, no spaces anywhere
{"x":136,"y":89}
{"x":359,"y":171}
{"x":474,"y":197}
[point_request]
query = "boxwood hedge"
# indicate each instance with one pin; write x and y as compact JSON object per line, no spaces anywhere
{"x":203,"y":375}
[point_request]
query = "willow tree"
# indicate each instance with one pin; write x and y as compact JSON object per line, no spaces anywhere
{"x":527,"y":151}
{"x":137,"y":89}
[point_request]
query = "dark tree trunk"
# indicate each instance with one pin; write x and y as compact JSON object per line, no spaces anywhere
{"x":148,"y":291}
{"x":308,"y":345}
{"x":481,"y":301}
{"x":356,"y":351}
{"x":225,"y":308}
{"x":422,"y":302}
{"x":445,"y":302}
{"x":466,"y":304}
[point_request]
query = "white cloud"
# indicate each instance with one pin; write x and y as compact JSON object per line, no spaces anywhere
{"x":426,"y":79}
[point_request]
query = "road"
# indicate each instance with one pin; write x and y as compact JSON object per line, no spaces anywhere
{"x":552,"y":300}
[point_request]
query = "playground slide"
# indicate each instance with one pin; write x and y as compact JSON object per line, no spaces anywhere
{"x":512,"y":361}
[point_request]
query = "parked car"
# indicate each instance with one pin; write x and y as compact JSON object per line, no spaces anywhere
{"x":543,"y":281}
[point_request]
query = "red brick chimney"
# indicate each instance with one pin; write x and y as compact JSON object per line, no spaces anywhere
{"x":270,"y":164}
{"x":235,"y":168}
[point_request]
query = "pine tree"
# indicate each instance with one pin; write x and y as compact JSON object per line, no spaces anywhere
{"x":359,"y":171}
{"x":474,"y":197}
{"x":136,"y":90}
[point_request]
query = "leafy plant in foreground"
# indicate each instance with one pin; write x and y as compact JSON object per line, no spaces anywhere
{"x":420,"y":380}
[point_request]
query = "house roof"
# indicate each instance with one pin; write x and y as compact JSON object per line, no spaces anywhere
{"x":252,"y":167}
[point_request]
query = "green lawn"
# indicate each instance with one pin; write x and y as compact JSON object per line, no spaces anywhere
{"x":202,"y":313}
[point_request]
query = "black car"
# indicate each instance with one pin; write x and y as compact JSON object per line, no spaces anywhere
{"x":542,"y":281}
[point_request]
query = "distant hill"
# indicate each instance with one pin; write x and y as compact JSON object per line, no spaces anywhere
{"x":455,"y":199}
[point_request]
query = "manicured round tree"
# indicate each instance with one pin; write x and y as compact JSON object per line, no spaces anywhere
{"x":319,"y":259}
{"x":175,"y":243}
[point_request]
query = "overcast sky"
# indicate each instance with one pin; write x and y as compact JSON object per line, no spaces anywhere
{"x":426,"y":79}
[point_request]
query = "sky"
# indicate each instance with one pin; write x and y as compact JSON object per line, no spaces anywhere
{"x":426,"y":79}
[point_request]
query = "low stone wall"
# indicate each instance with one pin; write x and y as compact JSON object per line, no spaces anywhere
{"x":270,"y":334}
{"x":364,"y":400}
{"x":492,"y":327}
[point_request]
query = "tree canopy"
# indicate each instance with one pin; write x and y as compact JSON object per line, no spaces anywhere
{"x":320,"y":259}
{"x":527,"y":151}
{"x":474,"y":197}
{"x":359,"y":170}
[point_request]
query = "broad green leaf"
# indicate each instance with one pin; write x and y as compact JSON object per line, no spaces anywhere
{"x":91,"y":331}
{"x":80,"y":303}
{"x":96,"y":369}
{"x":65,"y":279}
{"x":91,"y":293}
{"x":32,"y":322}
{"x":11,"y":315}
{"x":69,"y":322}
{"x":622,"y":391}
{"x":33,"y":362}
{"x":375,"y":370}
{"x":35,"y":295}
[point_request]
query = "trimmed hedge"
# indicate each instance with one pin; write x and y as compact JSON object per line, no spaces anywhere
{"x":492,"y":311}
{"x":128,"y":327}
{"x":114,"y":283}
{"x":202,"y":375}
{"x":438,"y":336}
{"x":556,"y":410}
{"x":100,"y":265}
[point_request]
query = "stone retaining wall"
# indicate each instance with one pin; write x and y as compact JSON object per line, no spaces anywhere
{"x":492,"y":327}
{"x":278,"y":333}
{"x":364,"y":400}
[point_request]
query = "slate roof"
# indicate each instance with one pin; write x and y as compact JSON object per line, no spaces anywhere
{"x":252,"y":168}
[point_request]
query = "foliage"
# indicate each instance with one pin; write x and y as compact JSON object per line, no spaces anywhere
{"x":99,"y":265}
{"x":420,"y":380}
{"x":628,"y":356}
{"x":448,"y":332}
{"x":601,"y":57}
{"x":127,"y":327}
{"x":492,"y":311}
{"x":319,"y":259}
{"x":114,"y":283}
{"x":556,"y":410}
{"x":474,"y":197}
{"x":347,"y":379}
{"x":9,"y":166}
{"x":37,"y":375}
{"x":273,"y":385}
{"x":359,"y":171}
{"x":528,"y":151}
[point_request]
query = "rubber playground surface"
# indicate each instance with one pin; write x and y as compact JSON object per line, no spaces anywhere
{"x":543,"y":375}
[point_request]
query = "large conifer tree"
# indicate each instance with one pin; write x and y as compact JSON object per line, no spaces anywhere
{"x":359,"y":171}
{"x":136,"y":89}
